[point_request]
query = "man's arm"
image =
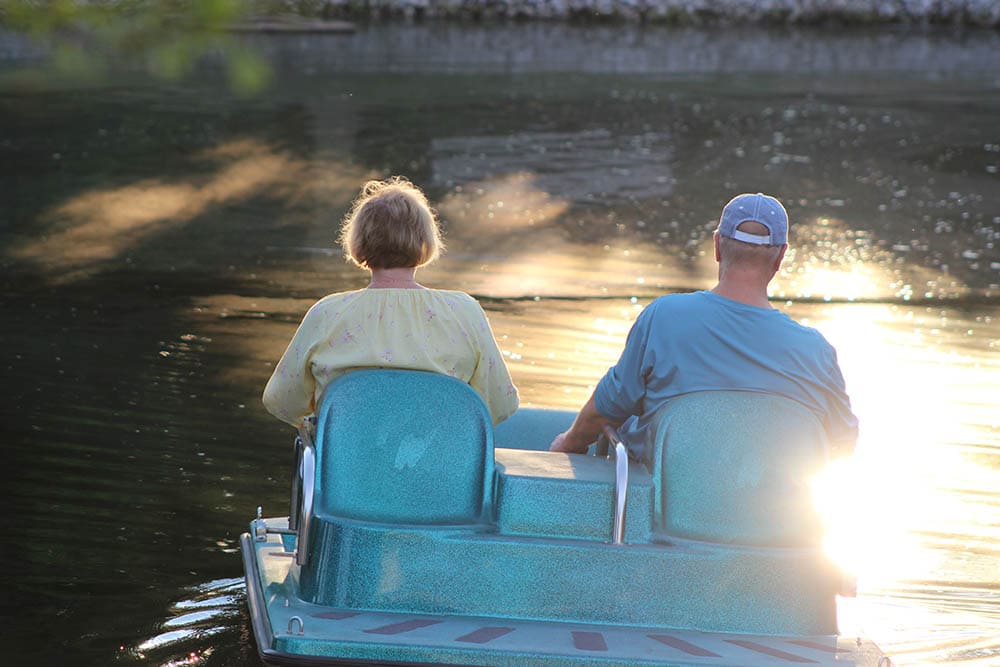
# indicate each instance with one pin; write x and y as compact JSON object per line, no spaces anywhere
{"x":621,"y":391}
{"x":841,"y":422}
{"x":585,"y":429}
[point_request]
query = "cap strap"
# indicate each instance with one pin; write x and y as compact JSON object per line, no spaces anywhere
{"x":751,"y":238}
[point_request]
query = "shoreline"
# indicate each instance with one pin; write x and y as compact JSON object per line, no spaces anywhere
{"x":933,"y":53}
{"x":684,"y":13}
{"x":689,"y":13}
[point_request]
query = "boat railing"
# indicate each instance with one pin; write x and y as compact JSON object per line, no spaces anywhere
{"x":303,"y":489}
{"x":304,"y":438}
{"x":303,"y":493}
{"x":610,"y":440}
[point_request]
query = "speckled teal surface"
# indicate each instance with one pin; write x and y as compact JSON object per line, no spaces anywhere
{"x":736,"y":466}
{"x":533,"y":428}
{"x":412,"y":521}
{"x":568,"y":495}
{"x":683,"y":585}
{"x":285,"y":625}
{"x":403,"y":447}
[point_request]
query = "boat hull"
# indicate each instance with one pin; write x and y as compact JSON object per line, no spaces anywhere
{"x":290,"y":631}
{"x":422,"y":535}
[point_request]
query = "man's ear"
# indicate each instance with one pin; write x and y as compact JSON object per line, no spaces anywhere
{"x":715,"y":241}
{"x":781,"y":256}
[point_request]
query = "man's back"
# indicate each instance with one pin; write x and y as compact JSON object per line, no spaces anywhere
{"x":726,"y":339}
{"x":685,"y":343}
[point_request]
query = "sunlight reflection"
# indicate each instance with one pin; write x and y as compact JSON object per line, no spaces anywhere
{"x":551,"y":265}
{"x":177,"y":636}
{"x":583,"y":166}
{"x":829,"y":260}
{"x":502,"y":243}
{"x":885,"y":503}
{"x":500,"y":205}
{"x":917,"y":634}
{"x":558,"y":358}
{"x":100,"y":225}
{"x":851,"y":283}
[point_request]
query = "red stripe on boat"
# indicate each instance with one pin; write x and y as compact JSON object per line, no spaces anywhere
{"x":399,"y":628}
{"x":767,"y":650}
{"x":336,"y":615}
{"x":682,"y":645}
{"x":589,"y":641}
{"x":818,"y":646}
{"x":484,"y":635}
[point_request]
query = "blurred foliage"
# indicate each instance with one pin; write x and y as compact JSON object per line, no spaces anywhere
{"x":86,"y":39}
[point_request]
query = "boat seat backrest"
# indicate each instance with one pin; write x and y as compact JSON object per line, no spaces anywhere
{"x":735,"y":467}
{"x":400,"y":446}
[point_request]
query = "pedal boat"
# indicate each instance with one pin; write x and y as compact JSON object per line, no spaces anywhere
{"x":419,"y":534}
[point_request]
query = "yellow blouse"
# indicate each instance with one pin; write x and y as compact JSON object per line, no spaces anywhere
{"x":420,"y":329}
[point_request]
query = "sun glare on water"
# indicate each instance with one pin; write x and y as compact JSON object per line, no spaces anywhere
{"x":877,"y":502}
{"x":883,"y":505}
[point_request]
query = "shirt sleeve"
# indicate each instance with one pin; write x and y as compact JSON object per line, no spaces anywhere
{"x":290,"y":393}
{"x":619,"y":394}
{"x":491,"y":378}
{"x":842,"y":424}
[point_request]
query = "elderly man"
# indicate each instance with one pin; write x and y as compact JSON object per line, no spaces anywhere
{"x":726,"y":338}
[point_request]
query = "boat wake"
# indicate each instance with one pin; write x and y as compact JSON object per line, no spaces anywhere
{"x":197,"y":626}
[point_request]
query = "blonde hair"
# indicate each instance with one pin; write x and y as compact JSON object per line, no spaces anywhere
{"x":391,"y":225}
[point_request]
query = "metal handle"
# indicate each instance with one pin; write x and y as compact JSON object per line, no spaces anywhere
{"x":296,"y":497}
{"x":304,"y":439}
{"x":307,"y":476}
{"x":621,"y":484}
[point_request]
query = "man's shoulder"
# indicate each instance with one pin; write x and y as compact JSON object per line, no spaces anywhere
{"x":678,"y":301}
{"x":803,"y":329}
{"x":805,"y":335}
{"x":671,"y":309}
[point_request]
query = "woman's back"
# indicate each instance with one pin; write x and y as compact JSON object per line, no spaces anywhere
{"x":418,"y":329}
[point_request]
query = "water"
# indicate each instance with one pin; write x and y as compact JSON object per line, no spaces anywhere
{"x":160,"y":241}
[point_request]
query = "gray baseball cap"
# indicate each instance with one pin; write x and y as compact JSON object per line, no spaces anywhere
{"x":761,"y":208}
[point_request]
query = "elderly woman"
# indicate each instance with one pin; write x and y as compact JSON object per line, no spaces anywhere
{"x":394,"y":322}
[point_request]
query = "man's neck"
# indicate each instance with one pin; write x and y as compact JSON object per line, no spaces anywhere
{"x":750,"y":294}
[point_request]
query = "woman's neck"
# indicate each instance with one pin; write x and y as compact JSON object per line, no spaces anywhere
{"x":400,"y":277}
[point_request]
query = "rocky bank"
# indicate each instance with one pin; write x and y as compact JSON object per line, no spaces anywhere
{"x":985,"y":13}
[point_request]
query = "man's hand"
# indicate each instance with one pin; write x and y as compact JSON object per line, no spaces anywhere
{"x":584,"y":431}
{"x":562,"y":444}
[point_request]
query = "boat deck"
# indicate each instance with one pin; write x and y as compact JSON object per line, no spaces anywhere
{"x":303,"y":633}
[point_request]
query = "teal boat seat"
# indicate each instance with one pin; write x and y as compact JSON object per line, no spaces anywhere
{"x":735,"y":466}
{"x":403,"y":447}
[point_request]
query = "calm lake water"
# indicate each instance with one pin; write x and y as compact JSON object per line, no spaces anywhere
{"x":160,"y":242}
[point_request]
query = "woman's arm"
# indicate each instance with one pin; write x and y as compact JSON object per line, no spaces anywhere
{"x":491,"y":378}
{"x":289,"y":394}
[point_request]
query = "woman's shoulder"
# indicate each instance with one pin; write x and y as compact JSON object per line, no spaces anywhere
{"x":332,"y":303}
{"x":463,"y":307}
{"x":455,"y":297}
